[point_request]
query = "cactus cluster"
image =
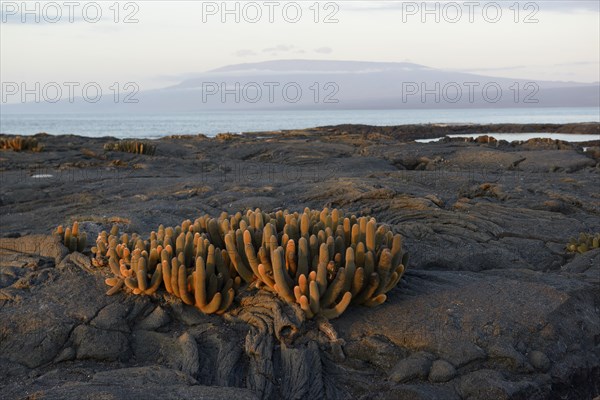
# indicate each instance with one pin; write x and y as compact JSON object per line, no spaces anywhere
{"x":223,"y":137}
{"x":320,"y":260}
{"x":19,"y":143}
{"x":181,"y":259}
{"x":585,"y":242}
{"x":131,"y":146}
{"x":72,"y":238}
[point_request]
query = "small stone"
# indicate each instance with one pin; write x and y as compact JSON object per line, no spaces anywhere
{"x":376,"y":350}
{"x":66,"y":355}
{"x":157,"y":318}
{"x":414,"y":366}
{"x":539,"y":360}
{"x":98,"y":344}
{"x":113,"y":317}
{"x":462,"y":353}
{"x":487,"y":384}
{"x":441,"y":371}
{"x":507,"y":355}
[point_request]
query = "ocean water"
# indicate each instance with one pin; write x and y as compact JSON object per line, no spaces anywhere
{"x":509,"y":137}
{"x":211,"y":123}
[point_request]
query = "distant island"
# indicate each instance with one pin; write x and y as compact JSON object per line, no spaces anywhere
{"x":323,"y":85}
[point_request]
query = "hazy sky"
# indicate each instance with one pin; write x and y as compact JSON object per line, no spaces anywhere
{"x":175,"y":39}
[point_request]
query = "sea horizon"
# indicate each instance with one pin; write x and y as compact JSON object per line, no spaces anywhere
{"x":211,"y":123}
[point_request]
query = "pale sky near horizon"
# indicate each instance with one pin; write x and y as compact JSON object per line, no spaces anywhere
{"x":171,"y":41}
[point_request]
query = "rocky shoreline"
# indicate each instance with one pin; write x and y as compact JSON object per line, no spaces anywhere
{"x":492,"y":305}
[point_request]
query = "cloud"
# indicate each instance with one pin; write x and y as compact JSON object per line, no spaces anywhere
{"x":280,"y":48}
{"x":244,"y":53}
{"x":564,"y":6}
{"x":517,"y":67}
{"x":569,"y":6}
{"x":576,"y":63}
{"x":291,"y":49}
{"x":506,"y":68}
{"x":324,"y":50}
